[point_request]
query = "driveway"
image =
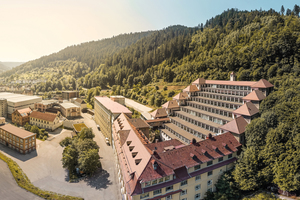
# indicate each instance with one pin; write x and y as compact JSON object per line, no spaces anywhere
{"x":9,"y":189}
{"x":44,"y":168}
{"x":144,"y":110}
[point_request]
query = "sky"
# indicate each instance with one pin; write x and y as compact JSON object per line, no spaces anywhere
{"x":34,"y":28}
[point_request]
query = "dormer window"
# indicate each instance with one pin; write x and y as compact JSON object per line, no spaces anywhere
{"x":137,"y":161}
{"x":197,"y":167}
{"x":131,"y":148}
{"x":128,"y":143}
{"x":134,"y":154}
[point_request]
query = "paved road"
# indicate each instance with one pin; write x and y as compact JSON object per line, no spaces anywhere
{"x":44,"y":168}
{"x":9,"y":189}
{"x":139,"y":107}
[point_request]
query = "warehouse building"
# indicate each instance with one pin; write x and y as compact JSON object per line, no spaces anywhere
{"x":16,"y":102}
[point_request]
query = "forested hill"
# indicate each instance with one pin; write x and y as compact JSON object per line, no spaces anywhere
{"x":91,"y":53}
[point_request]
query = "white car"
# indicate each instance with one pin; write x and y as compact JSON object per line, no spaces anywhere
{"x":107,"y":141}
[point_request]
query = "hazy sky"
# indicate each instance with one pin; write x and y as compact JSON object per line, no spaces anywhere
{"x":30,"y":29}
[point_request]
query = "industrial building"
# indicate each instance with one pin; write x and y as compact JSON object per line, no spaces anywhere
{"x":70,"y":110}
{"x":16,"y":102}
{"x":67,"y":95}
{"x":106,"y":111}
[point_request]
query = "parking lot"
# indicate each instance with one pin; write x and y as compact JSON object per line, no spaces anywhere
{"x":44,"y":167}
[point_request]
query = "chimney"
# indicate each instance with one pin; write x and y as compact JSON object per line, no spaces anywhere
{"x":193,"y":141}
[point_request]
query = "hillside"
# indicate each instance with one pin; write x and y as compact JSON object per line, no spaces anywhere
{"x":5,"y":66}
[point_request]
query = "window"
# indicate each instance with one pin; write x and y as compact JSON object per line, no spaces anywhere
{"x":197,"y":167}
{"x":154,"y":182}
{"x":209,"y":182}
{"x":184,"y":199}
{"x":183,"y":183}
{"x":198,"y":178}
{"x":209,"y":173}
{"x":197,"y":187}
{"x":156,"y":192}
{"x":183,"y":192}
{"x":197,"y":196}
{"x":147,"y":184}
{"x":221,"y":159}
{"x":160,"y":180}
{"x":169,"y":188}
{"x":142,"y":196}
{"x":169,"y":197}
{"x":229,"y":156}
{"x":209,"y":163}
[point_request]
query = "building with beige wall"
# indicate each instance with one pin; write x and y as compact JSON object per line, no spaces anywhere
{"x":19,"y":139}
{"x":67,"y":95}
{"x":170,"y":169}
{"x":48,"y":121}
{"x":45,"y":104}
{"x":3,"y":107}
{"x":70,"y":110}
{"x":119,"y":99}
{"x":106,"y":111}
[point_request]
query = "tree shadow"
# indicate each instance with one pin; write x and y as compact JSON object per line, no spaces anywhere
{"x":18,"y":155}
{"x":99,"y":180}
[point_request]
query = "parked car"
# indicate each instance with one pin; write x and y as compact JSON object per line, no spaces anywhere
{"x":98,"y":127}
{"x":107,"y":141}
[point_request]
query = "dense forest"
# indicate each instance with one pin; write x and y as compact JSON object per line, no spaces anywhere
{"x":255,"y":44}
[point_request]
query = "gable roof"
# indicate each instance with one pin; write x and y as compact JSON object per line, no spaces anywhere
{"x":158,"y":113}
{"x":247,"y":109}
{"x":181,"y":96}
{"x":238,"y":125}
{"x":139,"y":123}
{"x":255,"y":95}
{"x":24,"y":112}
{"x":262,"y":83}
{"x":190,"y":155}
{"x":191,"y":88}
{"x":170,"y":104}
{"x":43,"y":116}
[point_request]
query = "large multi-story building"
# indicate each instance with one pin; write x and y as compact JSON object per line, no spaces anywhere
{"x":169,"y":169}
{"x":106,"y":111}
{"x":67,"y":95}
{"x":48,"y":121}
{"x":21,"y":117}
{"x":70,"y":110}
{"x":18,"y":101}
{"x":3,"y":107}
{"x":19,"y":139}
{"x":214,"y":107}
{"x":45,"y":104}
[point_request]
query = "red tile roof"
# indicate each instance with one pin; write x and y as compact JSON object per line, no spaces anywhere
{"x":24,"y":112}
{"x":255,"y":95}
{"x":43,"y":116}
{"x":239,"y":83}
{"x":139,"y":123}
{"x":114,"y":107}
{"x":247,"y":109}
{"x":181,"y":96}
{"x":168,"y":161}
{"x":238,"y":125}
{"x":199,"y":81}
{"x":160,"y":147}
{"x":191,"y":88}
{"x":262,"y":83}
{"x":170,"y":104}
{"x":159,"y":113}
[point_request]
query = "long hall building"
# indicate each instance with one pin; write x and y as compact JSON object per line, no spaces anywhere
{"x":214,"y":107}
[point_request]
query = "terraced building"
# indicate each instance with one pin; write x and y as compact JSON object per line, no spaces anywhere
{"x":213,"y":107}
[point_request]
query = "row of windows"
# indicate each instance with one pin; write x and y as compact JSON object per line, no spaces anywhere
{"x":218,"y":102}
{"x":178,"y":135}
{"x":195,"y":133}
{"x":39,"y":120}
{"x":4,"y":134}
{"x":16,"y":145}
{"x":207,"y":117}
{"x":231,"y":87}
{"x":226,"y":92}
{"x":214,"y":103}
{"x":220,"y":97}
{"x":197,"y":123}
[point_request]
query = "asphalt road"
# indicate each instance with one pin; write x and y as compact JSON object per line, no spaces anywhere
{"x":9,"y":189}
{"x":44,"y":168}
